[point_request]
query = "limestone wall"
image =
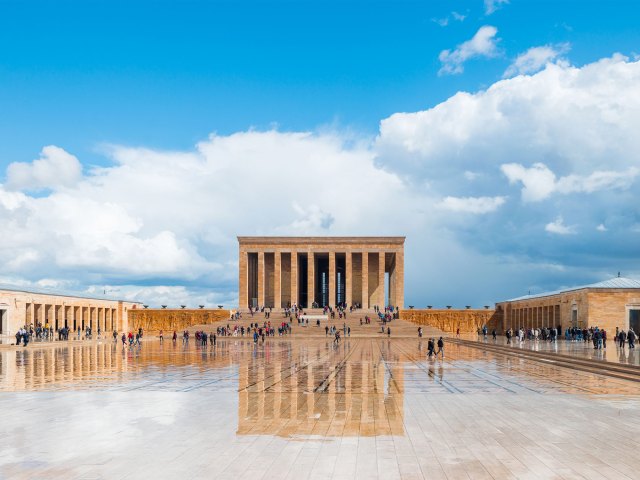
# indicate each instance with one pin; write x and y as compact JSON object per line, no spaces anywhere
{"x":153,"y":320}
{"x":467,"y":321}
{"x":605,"y":308}
{"x":609,"y":310}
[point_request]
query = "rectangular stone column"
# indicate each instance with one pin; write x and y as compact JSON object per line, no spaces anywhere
{"x":348,"y":282}
{"x":277,"y":280}
{"x":365,"y":279}
{"x":381,"y":261}
{"x":332,"y":279}
{"x":243,"y":280}
{"x":294,"y":278}
{"x":311,"y":275}
{"x":399,"y":283}
{"x":261,"y":279}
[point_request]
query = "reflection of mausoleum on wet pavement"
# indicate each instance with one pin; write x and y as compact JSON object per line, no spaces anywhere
{"x":354,"y":394}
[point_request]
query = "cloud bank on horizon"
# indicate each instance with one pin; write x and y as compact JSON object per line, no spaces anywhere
{"x":533,"y":178}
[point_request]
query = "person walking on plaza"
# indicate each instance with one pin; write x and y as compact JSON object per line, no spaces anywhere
{"x":622,"y":338}
{"x":388,"y":331}
{"x":431,"y":347}
{"x":631,"y":337}
{"x":458,"y":332}
{"x":440,"y":347}
{"x":124,"y":340}
{"x":161,"y":337}
{"x":419,"y":332}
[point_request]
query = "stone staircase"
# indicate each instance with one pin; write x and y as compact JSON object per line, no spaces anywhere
{"x":399,"y":328}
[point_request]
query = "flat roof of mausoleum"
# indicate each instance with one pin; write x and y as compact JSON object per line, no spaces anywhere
{"x":321,"y":240}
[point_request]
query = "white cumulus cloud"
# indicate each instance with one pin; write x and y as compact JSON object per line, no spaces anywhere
{"x":539,"y":182}
{"x":55,"y":168}
{"x":536,"y":58}
{"x":573,"y":120}
{"x":482,"y":44}
{"x":472,"y":204}
{"x":558,"y":227}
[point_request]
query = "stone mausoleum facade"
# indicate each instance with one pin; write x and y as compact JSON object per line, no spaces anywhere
{"x":281,"y":271}
{"x":608,"y":304}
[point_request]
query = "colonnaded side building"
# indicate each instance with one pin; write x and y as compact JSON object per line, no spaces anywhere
{"x":325,"y":271}
{"x":608,"y":304}
{"x":19,"y":308}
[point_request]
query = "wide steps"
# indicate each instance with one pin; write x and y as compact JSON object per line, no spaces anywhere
{"x":399,"y":328}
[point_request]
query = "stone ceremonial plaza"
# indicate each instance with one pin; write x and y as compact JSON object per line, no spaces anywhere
{"x":323,"y":369}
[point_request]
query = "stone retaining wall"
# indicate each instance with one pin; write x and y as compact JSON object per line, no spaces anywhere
{"x":467,"y":321}
{"x":153,"y":320}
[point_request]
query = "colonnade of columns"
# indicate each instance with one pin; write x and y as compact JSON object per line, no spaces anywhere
{"x":72,"y":316}
{"x":281,"y":277}
{"x":539,"y":316}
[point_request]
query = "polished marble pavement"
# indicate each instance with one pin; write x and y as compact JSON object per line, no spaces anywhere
{"x":307,"y":408}
{"x":613,"y":353}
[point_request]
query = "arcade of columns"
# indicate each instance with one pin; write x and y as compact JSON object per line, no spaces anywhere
{"x":23,"y":308}
{"x":74,"y":317}
{"x":280,"y":271}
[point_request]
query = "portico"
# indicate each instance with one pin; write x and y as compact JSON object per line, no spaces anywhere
{"x":322,"y":271}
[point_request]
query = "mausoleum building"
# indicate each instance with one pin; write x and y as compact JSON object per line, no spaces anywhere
{"x":322,"y":271}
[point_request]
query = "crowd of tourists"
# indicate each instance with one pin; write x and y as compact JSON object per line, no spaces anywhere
{"x":45,"y":333}
{"x":596,"y":336}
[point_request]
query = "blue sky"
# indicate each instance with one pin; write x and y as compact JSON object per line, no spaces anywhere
{"x":135,"y":86}
{"x":165,"y":74}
